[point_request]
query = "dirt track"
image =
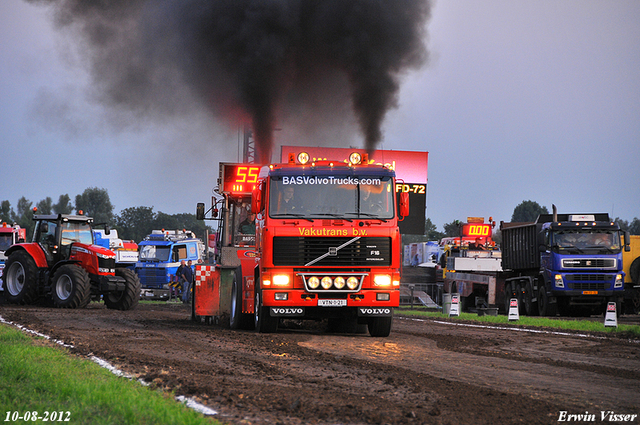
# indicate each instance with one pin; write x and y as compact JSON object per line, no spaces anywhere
{"x":425,"y":372}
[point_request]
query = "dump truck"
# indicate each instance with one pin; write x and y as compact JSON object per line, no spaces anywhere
{"x":569,"y":264}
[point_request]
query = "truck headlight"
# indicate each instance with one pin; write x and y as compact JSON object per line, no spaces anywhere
{"x":326,"y":282}
{"x":352,"y":282}
{"x":619,"y":281}
{"x":281,"y":280}
{"x":382,"y":280}
{"x":313,"y":282}
{"x":559,"y":281}
{"x":339,"y":282}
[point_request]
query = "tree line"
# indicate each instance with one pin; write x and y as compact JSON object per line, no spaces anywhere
{"x":133,"y":223}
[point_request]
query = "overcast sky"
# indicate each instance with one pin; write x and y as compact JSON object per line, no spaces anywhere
{"x":520,"y":100}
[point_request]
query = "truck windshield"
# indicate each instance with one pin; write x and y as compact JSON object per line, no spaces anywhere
{"x":154,"y":253}
{"x":592,"y":241}
{"x":336,"y":196}
{"x":76,"y":232}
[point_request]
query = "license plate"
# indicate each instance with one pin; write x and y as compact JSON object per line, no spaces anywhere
{"x":589,"y":292}
{"x":332,"y":303}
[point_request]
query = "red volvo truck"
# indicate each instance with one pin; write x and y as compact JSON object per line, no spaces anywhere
{"x":304,"y":240}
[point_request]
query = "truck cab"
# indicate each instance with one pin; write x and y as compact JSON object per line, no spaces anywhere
{"x":581,"y":258}
{"x":159,"y":256}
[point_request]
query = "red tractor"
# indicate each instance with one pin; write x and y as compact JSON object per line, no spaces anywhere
{"x":63,"y":264}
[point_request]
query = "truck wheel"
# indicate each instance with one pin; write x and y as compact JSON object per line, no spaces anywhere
{"x":545,"y":308}
{"x":127,"y":299}
{"x":530,"y":307}
{"x":264,"y":323}
{"x":521,"y":295}
{"x":20,"y":278}
{"x":380,"y":326}
{"x":71,"y":287}
{"x":238,"y":320}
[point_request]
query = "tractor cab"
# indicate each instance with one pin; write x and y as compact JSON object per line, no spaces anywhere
{"x":56,"y":234}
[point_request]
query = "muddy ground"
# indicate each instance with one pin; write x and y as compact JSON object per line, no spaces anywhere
{"x":425,"y":372}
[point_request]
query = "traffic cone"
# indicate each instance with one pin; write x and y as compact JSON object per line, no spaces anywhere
{"x":514,"y":314}
{"x":455,"y":305}
{"x":611,"y":317}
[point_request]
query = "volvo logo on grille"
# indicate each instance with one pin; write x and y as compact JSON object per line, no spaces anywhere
{"x":287,"y":311}
{"x":371,"y":311}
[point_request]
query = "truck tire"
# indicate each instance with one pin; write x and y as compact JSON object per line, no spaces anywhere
{"x":71,"y":287}
{"x":20,"y":278}
{"x":521,"y":295}
{"x":545,"y":308}
{"x":127,"y":299}
{"x":263,"y":321}
{"x":380,"y":326}
{"x":530,"y":306}
{"x":237,"y":319}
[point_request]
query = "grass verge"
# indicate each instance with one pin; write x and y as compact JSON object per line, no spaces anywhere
{"x":37,"y":378}
{"x":542,"y":322}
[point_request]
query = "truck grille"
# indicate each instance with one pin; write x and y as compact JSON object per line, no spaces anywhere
{"x":589,"y":282}
{"x":600,"y":263}
{"x":152,"y":277}
{"x":298,"y":251}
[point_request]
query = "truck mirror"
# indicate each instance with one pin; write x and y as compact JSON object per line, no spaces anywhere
{"x":44,"y":227}
{"x":256,"y":200}
{"x":542,"y":248}
{"x":200,"y":211}
{"x":107,"y":230}
{"x":404,"y":204}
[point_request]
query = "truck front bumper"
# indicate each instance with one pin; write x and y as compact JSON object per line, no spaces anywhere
{"x":302,"y":304}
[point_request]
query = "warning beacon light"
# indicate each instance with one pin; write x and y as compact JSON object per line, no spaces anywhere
{"x":303,"y":158}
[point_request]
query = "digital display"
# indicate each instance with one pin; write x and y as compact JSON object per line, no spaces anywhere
{"x":478,"y":230}
{"x":239,"y":179}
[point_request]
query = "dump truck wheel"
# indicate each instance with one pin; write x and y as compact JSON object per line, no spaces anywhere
{"x":380,"y":326}
{"x":544,"y":306}
{"x":71,"y":287}
{"x":264,"y":323}
{"x":127,"y":299}
{"x":20,"y":278}
{"x":531,"y":307}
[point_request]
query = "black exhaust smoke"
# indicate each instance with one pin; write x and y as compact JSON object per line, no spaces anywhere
{"x":246,"y":59}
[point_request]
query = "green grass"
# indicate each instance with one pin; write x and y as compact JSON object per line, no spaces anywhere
{"x":37,"y":378}
{"x":542,"y":322}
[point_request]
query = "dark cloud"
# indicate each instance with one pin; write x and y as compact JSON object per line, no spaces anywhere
{"x":247,"y":61}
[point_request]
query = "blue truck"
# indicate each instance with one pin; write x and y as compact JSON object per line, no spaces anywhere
{"x":567,"y":264}
{"x":159,"y":256}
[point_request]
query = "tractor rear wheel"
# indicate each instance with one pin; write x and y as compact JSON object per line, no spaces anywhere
{"x":71,"y":287}
{"x":20,"y":278}
{"x":127,"y":299}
